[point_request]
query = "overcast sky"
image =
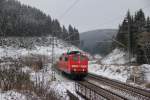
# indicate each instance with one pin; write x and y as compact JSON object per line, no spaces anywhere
{"x":90,"y":14}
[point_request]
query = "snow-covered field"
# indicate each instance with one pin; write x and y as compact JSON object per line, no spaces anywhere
{"x":146,"y":69}
{"x":110,"y":71}
{"x":116,"y":57}
{"x":112,"y":66}
{"x":12,"y":95}
{"x":60,"y":86}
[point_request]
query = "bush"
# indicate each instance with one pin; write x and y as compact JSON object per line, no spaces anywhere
{"x":36,"y":62}
{"x":14,"y":79}
{"x":118,"y":71}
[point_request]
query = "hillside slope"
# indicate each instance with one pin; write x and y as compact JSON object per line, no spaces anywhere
{"x":21,"y":20}
{"x":96,"y":39}
{"x":33,"y":55}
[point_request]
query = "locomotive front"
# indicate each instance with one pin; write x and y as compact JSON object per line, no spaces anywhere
{"x":74,"y":63}
{"x":78,"y":63}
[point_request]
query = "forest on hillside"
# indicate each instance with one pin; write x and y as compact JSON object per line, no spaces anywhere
{"x":134,"y":35}
{"x":21,"y":20}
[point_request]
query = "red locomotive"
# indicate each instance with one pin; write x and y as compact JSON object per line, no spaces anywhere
{"x":73,"y":63}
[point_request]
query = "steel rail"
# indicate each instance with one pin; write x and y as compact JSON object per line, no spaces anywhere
{"x":109,"y":95}
{"x":121,"y":85}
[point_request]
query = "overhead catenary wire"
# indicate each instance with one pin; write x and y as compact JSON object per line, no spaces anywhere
{"x":62,"y":16}
{"x":147,"y":6}
{"x":68,"y":9}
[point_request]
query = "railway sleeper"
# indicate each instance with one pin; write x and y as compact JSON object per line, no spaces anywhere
{"x":93,"y":92}
{"x":128,"y":87}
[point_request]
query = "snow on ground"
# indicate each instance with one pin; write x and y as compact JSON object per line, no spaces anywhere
{"x":97,"y":56}
{"x":12,"y":95}
{"x":34,"y":46}
{"x":114,"y":66}
{"x":60,"y":86}
{"x":11,"y":52}
{"x":146,"y":70}
{"x":43,"y":76}
{"x":116,"y":57}
{"x":110,"y":71}
{"x":40,"y":50}
{"x":111,"y":66}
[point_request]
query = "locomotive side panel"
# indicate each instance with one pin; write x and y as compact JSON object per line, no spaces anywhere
{"x":64,"y":64}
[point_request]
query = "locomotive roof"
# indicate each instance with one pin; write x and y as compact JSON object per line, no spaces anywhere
{"x":73,"y":52}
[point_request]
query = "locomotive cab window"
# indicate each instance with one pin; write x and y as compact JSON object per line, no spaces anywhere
{"x":82,"y":58}
{"x":75,"y":58}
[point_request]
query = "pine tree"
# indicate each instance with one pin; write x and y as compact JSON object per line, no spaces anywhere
{"x":148,"y":24}
{"x":133,"y":28}
{"x":140,"y":21}
{"x":71,"y":33}
{"x":76,"y":37}
{"x":65,"y":33}
{"x":21,"y":20}
{"x":122,"y":35}
{"x":56,"y":28}
{"x":1,"y":17}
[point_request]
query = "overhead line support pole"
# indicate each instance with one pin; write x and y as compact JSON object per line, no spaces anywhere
{"x":129,"y":45}
{"x":52,"y":66}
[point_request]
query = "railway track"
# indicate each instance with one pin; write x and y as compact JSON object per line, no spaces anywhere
{"x":135,"y":91}
{"x":91,"y":91}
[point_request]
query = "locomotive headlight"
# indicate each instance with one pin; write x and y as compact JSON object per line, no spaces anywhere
{"x":75,"y":70}
{"x":74,"y":66}
{"x":83,"y":66}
